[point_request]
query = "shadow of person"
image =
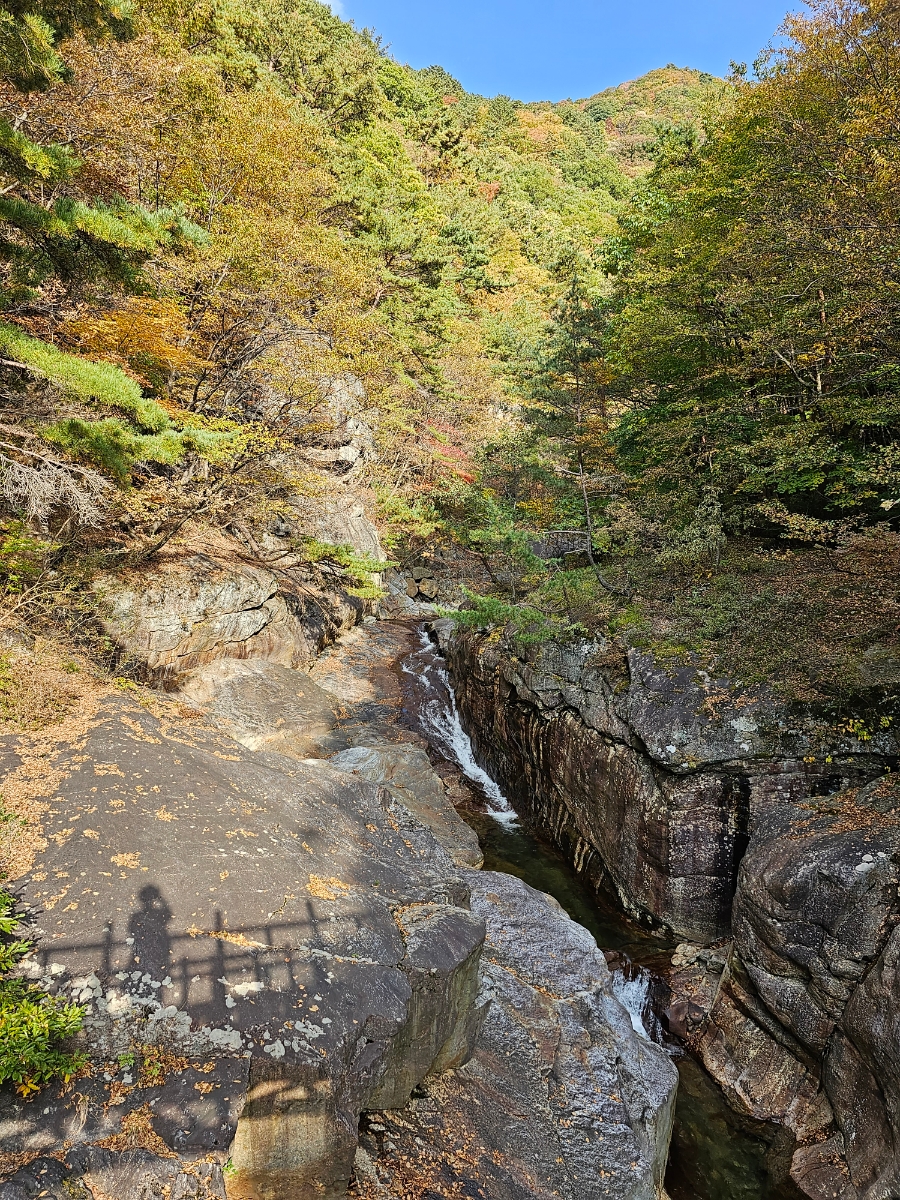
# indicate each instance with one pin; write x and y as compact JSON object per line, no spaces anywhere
{"x":152,"y":948}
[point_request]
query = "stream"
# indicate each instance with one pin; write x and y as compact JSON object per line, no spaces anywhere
{"x":712,"y":1157}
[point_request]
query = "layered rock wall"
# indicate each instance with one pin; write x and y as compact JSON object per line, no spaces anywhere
{"x":650,"y":776}
{"x":724,"y":813}
{"x":805,"y":1027}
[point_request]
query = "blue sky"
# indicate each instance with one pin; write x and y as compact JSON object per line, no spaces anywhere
{"x":551,"y":49}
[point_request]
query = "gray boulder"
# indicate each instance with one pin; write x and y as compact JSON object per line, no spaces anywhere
{"x":200,"y":606}
{"x":266,"y":706}
{"x":263,"y":947}
{"x":561,"y":1097}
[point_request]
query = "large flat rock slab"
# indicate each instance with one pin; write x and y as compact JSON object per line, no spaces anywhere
{"x":267,"y":706}
{"x":221,"y":906}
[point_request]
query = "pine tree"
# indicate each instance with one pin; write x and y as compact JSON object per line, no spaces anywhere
{"x":568,"y":404}
{"x":52,"y":234}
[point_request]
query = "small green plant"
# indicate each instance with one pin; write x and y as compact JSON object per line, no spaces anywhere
{"x":229,"y":1169}
{"x":33,"y":1025}
{"x":5,"y":815}
{"x":863,"y":731}
{"x":529,"y":626}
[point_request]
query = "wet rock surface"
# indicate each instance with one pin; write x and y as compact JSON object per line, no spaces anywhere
{"x":693,"y":981}
{"x":649,"y":777}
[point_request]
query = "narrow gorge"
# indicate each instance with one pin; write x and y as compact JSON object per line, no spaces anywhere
{"x":449,"y":601}
{"x":314,"y":986}
{"x":758,"y":835}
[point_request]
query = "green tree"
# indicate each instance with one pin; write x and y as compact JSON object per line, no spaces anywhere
{"x":54,"y":236}
{"x":567,"y":406}
{"x":756,"y":340}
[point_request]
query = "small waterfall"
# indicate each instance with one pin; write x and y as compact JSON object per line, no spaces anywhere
{"x":631,"y":987}
{"x":438,"y":718}
{"x":713,"y":1156}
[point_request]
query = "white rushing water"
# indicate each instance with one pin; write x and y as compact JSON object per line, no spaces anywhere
{"x":633,"y":993}
{"x":439,"y":717}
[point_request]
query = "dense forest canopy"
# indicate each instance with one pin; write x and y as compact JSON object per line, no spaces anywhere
{"x":658,"y":321}
{"x":209,"y":210}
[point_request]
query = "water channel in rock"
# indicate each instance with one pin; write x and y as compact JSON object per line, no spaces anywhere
{"x":713,"y":1157}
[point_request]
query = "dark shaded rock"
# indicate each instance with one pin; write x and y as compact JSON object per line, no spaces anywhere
{"x":862,"y":1076}
{"x":693,"y":985}
{"x":193,"y":1105}
{"x":94,"y":1173}
{"x":820,"y":1170}
{"x":560,"y":1098}
{"x":806,"y":1026}
{"x":649,"y":777}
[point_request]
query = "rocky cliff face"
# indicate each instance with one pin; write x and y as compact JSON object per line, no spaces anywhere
{"x":199,"y":606}
{"x":723,"y":813}
{"x":251,"y":597}
{"x":805,"y":1027}
{"x":559,"y":1099}
{"x":650,"y":776}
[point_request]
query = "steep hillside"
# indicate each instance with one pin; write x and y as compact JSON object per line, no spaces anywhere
{"x":260,"y":226}
{"x":632,"y":113}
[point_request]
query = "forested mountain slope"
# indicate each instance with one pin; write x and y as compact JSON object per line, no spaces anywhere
{"x":230,"y":229}
{"x":634,"y":113}
{"x":229,"y":205}
{"x":225,"y":206}
{"x":615,"y":380}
